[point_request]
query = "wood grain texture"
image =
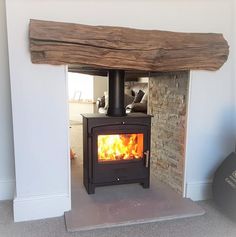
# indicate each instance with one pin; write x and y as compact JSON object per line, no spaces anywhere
{"x":125,"y":48}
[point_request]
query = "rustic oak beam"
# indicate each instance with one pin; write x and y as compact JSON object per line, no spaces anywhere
{"x":125,"y":48}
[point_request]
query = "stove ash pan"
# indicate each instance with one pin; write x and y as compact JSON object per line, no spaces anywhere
{"x":116,"y":150}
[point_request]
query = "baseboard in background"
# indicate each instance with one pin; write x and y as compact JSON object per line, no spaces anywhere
{"x":7,"y":189}
{"x":40,"y":207}
{"x":199,"y":191}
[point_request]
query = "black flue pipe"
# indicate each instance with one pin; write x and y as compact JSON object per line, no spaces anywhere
{"x":116,"y":82}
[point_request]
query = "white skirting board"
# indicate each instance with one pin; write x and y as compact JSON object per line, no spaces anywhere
{"x":7,"y":189}
{"x":198,"y":191}
{"x":40,"y":207}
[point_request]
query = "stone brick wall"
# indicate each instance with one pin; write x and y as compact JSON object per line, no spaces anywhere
{"x":168,"y":103}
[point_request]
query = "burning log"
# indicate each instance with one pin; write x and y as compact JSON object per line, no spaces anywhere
{"x":120,"y":147}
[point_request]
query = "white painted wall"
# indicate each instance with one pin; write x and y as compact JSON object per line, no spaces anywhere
{"x":100,"y":85}
{"x":211,"y":130}
{"x":39,"y":94}
{"x":234,"y":62}
{"x":7,"y":176}
{"x":40,"y":123}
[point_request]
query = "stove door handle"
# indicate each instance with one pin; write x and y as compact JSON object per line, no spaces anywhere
{"x":147,"y":154}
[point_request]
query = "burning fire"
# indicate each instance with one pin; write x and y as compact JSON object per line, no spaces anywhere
{"x":120,"y":147}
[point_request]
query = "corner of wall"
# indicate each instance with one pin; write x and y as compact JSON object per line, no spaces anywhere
{"x":198,"y":191}
{"x":7,"y":176}
{"x":40,"y":207}
{"x":7,"y":188}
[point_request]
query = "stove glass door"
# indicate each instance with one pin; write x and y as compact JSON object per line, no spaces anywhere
{"x":120,"y":147}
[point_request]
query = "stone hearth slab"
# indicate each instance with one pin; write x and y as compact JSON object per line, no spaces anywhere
{"x":122,"y":205}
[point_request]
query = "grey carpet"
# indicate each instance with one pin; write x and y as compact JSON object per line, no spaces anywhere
{"x":212,"y":224}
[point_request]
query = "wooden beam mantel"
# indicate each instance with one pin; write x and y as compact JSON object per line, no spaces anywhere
{"x":125,"y":48}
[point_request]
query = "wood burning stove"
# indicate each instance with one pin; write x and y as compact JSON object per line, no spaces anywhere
{"x":116,"y":145}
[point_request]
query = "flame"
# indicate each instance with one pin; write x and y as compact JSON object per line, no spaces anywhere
{"x":120,"y":147}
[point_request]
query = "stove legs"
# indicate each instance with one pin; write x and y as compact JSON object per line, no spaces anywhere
{"x":146,"y":184}
{"x":91,"y":189}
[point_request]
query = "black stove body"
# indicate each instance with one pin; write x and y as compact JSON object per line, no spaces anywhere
{"x":116,"y":146}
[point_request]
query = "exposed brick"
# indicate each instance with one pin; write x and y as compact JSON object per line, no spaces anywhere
{"x":168,"y":94}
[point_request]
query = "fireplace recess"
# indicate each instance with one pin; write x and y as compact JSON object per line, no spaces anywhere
{"x":116,"y":145}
